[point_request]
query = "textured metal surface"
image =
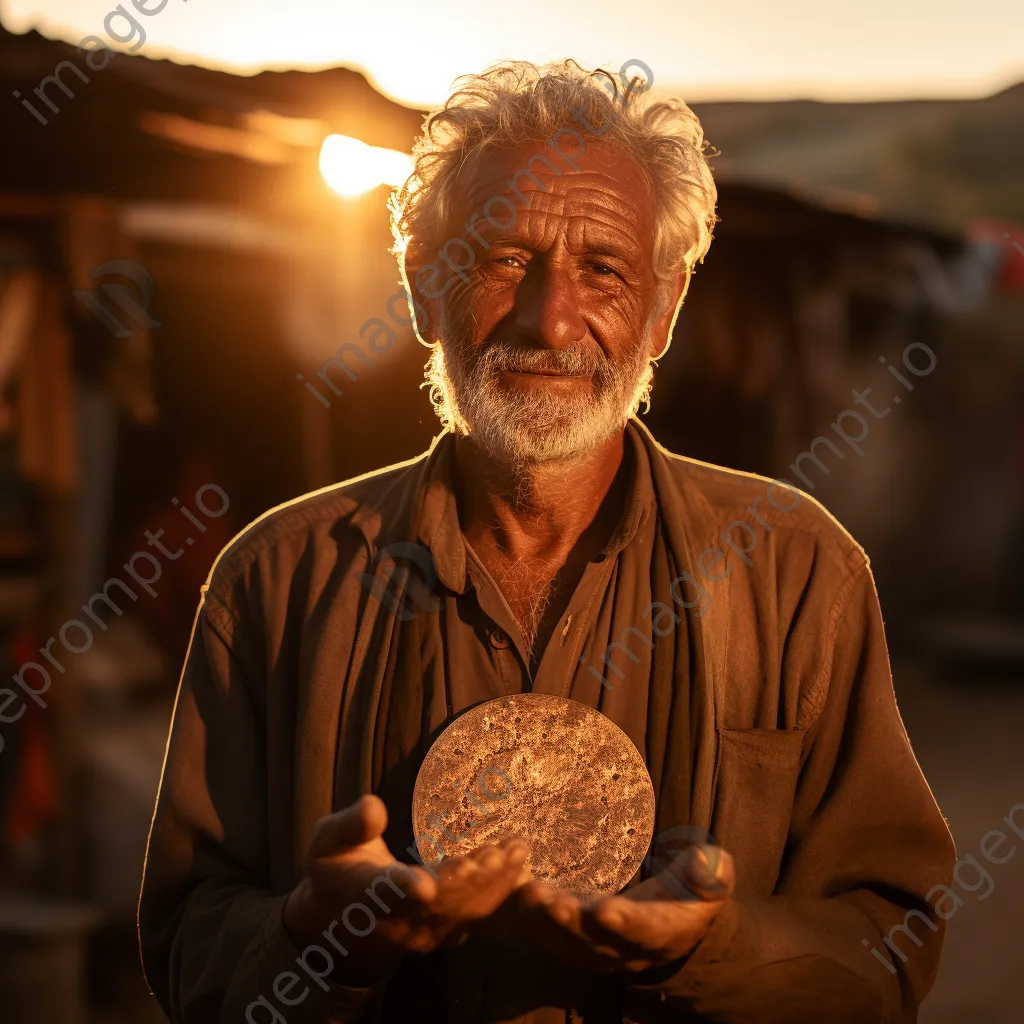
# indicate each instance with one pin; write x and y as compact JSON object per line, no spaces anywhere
{"x":552,"y":772}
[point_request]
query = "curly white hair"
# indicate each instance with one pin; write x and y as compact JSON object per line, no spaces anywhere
{"x":515,"y":102}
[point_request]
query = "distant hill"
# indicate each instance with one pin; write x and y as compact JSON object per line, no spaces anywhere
{"x":939,"y":162}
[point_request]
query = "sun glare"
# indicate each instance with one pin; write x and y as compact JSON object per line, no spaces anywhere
{"x":352,"y":167}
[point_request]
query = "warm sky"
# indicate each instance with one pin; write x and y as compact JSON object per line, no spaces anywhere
{"x":826,"y":49}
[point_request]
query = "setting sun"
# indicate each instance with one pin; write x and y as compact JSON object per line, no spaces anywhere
{"x":352,"y":167}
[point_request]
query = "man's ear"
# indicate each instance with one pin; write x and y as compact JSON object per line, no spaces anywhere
{"x":426,"y":307}
{"x":661,"y":331}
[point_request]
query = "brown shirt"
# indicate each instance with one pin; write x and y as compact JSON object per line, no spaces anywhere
{"x":800,"y":764}
{"x":484,"y":646}
{"x":482,"y":650}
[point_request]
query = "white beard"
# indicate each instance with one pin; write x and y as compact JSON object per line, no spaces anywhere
{"x":520,"y":428}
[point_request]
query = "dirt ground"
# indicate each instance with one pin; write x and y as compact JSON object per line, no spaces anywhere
{"x":968,"y":737}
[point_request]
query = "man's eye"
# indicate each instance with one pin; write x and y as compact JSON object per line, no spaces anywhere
{"x":509,"y":261}
{"x":602,"y":268}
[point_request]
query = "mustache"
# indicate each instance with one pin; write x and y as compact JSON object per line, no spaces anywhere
{"x":515,"y":357}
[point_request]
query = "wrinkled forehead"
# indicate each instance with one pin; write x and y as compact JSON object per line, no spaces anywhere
{"x":606,"y":195}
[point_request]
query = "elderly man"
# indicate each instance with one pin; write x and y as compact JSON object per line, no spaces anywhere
{"x":726,"y":623}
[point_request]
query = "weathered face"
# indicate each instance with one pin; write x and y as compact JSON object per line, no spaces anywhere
{"x":545,"y":340}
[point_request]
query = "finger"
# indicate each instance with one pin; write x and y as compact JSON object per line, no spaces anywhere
{"x":649,"y":933}
{"x":516,"y":853}
{"x":565,"y":911}
{"x":558,"y":909}
{"x":490,"y":857}
{"x":500,"y":866}
{"x":650,"y":929}
{"x":517,"y":856}
{"x":487,"y":853}
{"x":535,"y":895}
{"x":474,"y":886}
{"x":512,"y":872}
{"x":357,"y":824}
{"x":706,"y":872}
{"x":417,"y":884}
{"x":554,"y":921}
{"x":459,"y":869}
{"x":611,"y":922}
{"x":408,"y":888}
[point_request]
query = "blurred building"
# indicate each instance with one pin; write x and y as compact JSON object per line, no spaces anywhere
{"x":172,"y":262}
{"x":808,"y":299}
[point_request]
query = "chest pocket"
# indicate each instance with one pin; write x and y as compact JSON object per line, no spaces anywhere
{"x":757,"y":775}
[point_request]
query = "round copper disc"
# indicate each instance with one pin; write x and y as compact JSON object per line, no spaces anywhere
{"x":552,"y":772}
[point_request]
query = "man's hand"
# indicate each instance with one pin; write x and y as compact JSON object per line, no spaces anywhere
{"x":652,"y":924}
{"x":436,"y":907}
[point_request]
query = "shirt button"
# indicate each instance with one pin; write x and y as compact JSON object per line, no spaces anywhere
{"x":499,"y":639}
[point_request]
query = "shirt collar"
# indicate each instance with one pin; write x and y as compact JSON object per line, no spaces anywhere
{"x":438,"y":523}
{"x":438,"y":526}
{"x":640,"y":499}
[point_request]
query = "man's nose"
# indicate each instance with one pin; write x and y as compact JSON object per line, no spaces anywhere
{"x":547,"y":308}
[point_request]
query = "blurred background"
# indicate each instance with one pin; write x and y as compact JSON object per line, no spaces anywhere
{"x":191,"y":231}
